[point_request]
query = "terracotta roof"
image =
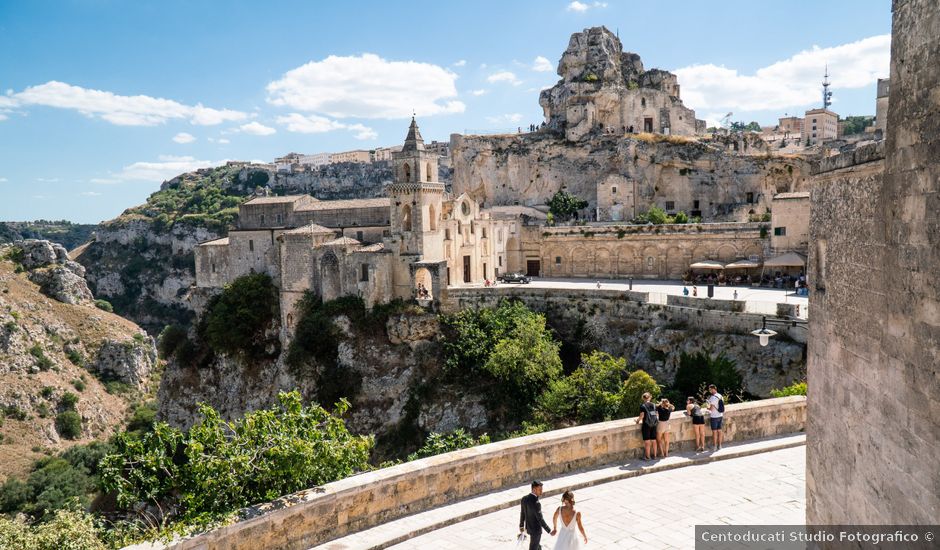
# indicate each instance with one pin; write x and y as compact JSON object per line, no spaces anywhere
{"x":275,"y":200}
{"x":342,"y":241}
{"x":218,"y":242}
{"x":382,"y":202}
{"x":798,"y":195}
{"x":310,"y":228}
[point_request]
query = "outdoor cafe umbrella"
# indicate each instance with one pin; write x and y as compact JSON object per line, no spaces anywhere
{"x":707,"y":264}
{"x":743,"y":264}
{"x":790,"y":259}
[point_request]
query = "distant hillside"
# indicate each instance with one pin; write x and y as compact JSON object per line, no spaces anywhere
{"x":69,"y":373}
{"x":66,"y":233}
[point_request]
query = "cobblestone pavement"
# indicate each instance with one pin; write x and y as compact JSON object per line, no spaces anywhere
{"x":657,"y":510}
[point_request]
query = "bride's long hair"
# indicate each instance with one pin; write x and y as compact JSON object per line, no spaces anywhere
{"x":568,"y":497}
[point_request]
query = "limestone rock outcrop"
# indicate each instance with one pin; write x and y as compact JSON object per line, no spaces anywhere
{"x":50,"y":267}
{"x":604,"y":89}
{"x":130,"y":362}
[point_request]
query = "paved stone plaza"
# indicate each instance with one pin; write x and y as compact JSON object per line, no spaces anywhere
{"x":657,"y":510}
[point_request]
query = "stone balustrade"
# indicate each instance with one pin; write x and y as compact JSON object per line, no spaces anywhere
{"x":319,"y":515}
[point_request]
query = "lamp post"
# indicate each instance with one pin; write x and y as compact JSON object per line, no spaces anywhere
{"x":764,"y":334}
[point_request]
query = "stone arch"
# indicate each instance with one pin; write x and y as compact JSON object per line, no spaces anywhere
{"x":330,"y":285}
{"x":727,"y":253}
{"x":290,"y":320}
{"x":581,"y":261}
{"x":554,"y":269}
{"x":432,"y":217}
{"x":626,"y":261}
{"x":424,"y":284}
{"x":427,"y":169}
{"x":406,"y":217}
{"x":406,"y":172}
{"x":677,"y":263}
{"x":651,"y":261}
{"x":752,"y":249}
{"x":602,"y":265}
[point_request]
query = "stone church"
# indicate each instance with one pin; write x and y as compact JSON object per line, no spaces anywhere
{"x":418,"y":237}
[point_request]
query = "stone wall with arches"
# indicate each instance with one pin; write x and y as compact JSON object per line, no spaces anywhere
{"x":641,"y":252}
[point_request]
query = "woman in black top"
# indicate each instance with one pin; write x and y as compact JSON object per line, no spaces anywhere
{"x":664,"y":409}
{"x":698,"y":422}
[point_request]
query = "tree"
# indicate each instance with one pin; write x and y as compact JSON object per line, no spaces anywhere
{"x":526,"y":360}
{"x":440,"y":443}
{"x":69,"y":424}
{"x":753,"y":126}
{"x":856,"y":124}
{"x":589,"y":394}
{"x":237,"y":321}
{"x":700,"y":369}
{"x":564,"y":206}
{"x":631,"y":394}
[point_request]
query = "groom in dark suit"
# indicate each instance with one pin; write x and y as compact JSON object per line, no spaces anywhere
{"x":530,"y":517}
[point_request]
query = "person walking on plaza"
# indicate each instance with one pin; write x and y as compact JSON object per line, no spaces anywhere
{"x":567,"y":536}
{"x":650,"y":420}
{"x":664,"y":409}
{"x":530,"y":517}
{"x":698,"y":422}
{"x":716,"y":414}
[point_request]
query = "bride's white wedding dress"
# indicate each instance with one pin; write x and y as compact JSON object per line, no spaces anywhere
{"x":568,"y":534}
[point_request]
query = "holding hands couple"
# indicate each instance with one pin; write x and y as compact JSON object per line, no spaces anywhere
{"x":532,"y":522}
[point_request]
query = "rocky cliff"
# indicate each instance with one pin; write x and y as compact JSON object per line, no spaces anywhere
{"x":528,"y":169}
{"x":50,"y":348}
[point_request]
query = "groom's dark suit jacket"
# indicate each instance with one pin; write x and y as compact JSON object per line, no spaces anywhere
{"x":531,"y":515}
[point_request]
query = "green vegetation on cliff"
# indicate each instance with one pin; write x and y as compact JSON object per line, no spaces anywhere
{"x":64,"y":232}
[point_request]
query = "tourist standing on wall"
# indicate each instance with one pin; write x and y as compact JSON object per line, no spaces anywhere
{"x":698,"y":422}
{"x":716,"y":414}
{"x":664,"y":409}
{"x":650,"y":420}
{"x":530,"y":517}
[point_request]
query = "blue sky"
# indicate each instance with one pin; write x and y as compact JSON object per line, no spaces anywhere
{"x":101,"y":100}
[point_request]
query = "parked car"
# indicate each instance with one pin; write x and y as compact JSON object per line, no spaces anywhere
{"x":515,"y":278}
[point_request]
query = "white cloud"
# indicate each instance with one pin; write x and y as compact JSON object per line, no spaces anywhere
{"x":90,"y":194}
{"x":256,"y":129}
{"x":504,"y":76}
{"x":138,"y":110}
{"x":460,"y":63}
{"x":184,"y":137}
{"x":367,"y":86}
{"x":166,"y":167}
{"x":513,"y":118}
{"x":224,"y":141}
{"x":3,"y":180}
{"x":479,"y":92}
{"x":316,"y":124}
{"x":792,"y":82}
{"x":542,"y":65}
{"x":581,"y":7}
{"x":47,"y":180}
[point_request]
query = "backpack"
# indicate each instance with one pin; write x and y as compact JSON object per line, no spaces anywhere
{"x":721,"y":404}
{"x":650,"y":419}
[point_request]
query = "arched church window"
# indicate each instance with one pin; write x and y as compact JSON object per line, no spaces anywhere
{"x":427,"y":169}
{"x":406,"y":217}
{"x":407,"y":172}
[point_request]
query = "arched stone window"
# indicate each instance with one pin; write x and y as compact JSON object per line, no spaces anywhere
{"x":406,"y":172}
{"x":290,"y":320}
{"x":432,"y":218}
{"x":642,"y":102}
{"x":427,"y":169}
{"x":406,"y":217}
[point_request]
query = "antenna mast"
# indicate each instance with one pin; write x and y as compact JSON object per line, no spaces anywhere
{"x":827,"y":95}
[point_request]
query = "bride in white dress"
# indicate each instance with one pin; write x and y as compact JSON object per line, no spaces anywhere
{"x":567,"y":536}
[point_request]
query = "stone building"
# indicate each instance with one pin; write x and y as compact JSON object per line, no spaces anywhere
{"x":820,"y":125}
{"x":881,"y":104}
{"x":379,"y":248}
{"x":604,"y":89}
{"x":791,"y":126}
{"x":358,"y":155}
{"x":789,"y":220}
{"x":874,"y":348}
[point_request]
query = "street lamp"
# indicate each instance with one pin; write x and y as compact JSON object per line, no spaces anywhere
{"x":764,"y":334}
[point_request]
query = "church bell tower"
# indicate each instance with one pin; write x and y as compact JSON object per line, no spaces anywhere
{"x":416,"y":198}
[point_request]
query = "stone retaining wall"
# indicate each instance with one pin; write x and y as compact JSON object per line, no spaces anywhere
{"x":319,"y":515}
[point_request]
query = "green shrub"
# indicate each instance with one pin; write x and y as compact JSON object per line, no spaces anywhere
{"x":78,"y":384}
{"x":66,"y":530}
{"x":14,"y":412}
{"x":42,"y":410}
{"x":46,"y":392}
{"x":564,"y":206}
{"x":218,"y":467}
{"x":631,"y":394}
{"x":68,"y":401}
{"x":104,"y":305}
{"x":681,"y":217}
{"x":797,"y":388}
{"x":170,"y":339}
{"x":75,"y":357}
{"x":116,"y":387}
{"x":143,"y":417}
{"x":700,"y":369}
{"x":236,"y":321}
{"x":591,"y":393}
{"x":69,"y":424}
{"x":11,"y":326}
{"x":440,"y":443}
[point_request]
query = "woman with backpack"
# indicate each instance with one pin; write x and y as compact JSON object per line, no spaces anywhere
{"x":650,"y":419}
{"x":664,"y":409}
{"x":698,"y":422}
